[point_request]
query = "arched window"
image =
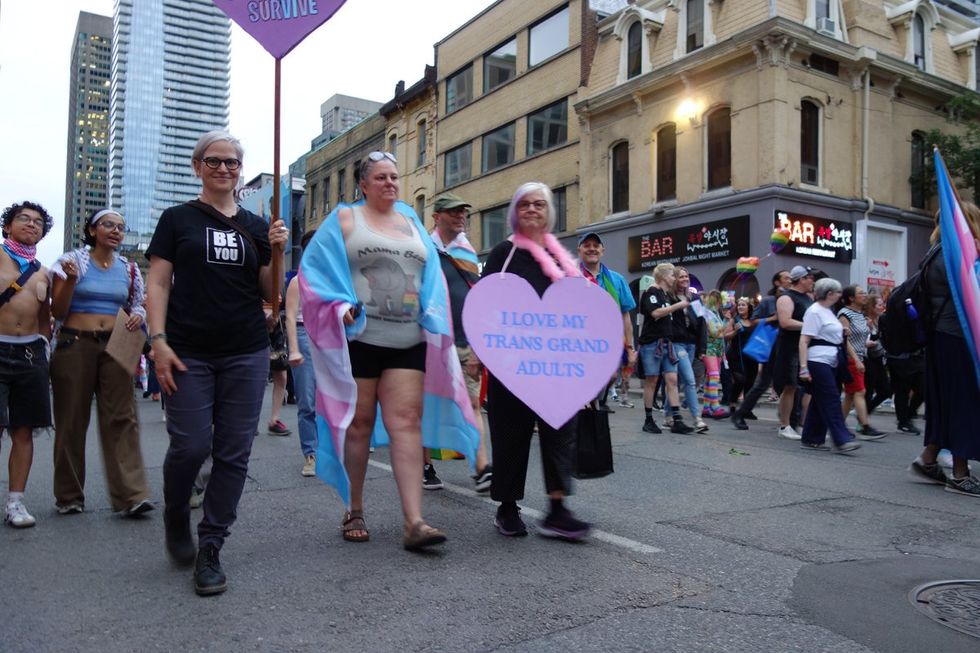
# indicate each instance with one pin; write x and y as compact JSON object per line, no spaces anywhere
{"x":420,"y":207}
{"x":720,"y":148}
{"x":420,"y":143}
{"x":393,"y":143}
{"x":620,"y":163}
{"x":667,"y":163}
{"x":919,"y":42}
{"x":917,"y":180}
{"x":634,"y":50}
{"x":809,"y":143}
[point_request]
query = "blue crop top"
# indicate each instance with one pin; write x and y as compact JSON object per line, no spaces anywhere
{"x":102,"y":292}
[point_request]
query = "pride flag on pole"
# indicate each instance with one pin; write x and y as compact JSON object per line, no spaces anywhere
{"x":960,"y":256}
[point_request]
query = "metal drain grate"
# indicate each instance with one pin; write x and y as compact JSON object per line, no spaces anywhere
{"x":953,"y":603}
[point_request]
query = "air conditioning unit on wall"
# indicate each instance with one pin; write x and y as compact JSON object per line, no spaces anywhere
{"x":827,"y":26}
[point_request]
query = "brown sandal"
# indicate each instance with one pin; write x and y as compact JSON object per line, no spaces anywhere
{"x":354,"y":522}
{"x":421,"y":536}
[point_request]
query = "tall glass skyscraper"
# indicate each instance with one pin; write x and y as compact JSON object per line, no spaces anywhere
{"x":87,"y":174}
{"x":170,"y":84}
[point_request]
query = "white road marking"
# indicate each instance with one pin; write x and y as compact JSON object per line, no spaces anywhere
{"x":602,"y":536}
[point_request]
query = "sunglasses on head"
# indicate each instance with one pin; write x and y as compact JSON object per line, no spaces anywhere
{"x":378,"y":156}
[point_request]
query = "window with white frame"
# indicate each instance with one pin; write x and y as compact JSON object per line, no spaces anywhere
{"x":809,"y":143}
{"x":634,"y":50}
{"x":826,"y":17}
{"x":695,"y":29}
{"x":919,"y":42}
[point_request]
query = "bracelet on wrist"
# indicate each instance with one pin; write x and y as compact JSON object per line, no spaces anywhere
{"x":158,"y":336}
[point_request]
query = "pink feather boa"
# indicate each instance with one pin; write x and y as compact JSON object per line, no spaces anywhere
{"x":547,"y":263}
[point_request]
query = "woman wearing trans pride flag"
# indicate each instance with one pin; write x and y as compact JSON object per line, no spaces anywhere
{"x":375,"y":307}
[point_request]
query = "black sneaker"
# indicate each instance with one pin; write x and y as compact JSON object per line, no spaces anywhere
{"x":208,"y":577}
{"x":814,"y":446}
{"x":429,"y":479}
{"x":484,"y":479}
{"x":909,"y":427}
{"x":561,"y":523}
{"x":180,"y":542}
{"x":750,"y":415}
{"x":930,"y":473}
{"x":868,"y":432}
{"x":739,"y":422}
{"x":649,"y":426}
{"x":508,"y":521}
{"x":680,"y":427}
{"x":968,"y":486}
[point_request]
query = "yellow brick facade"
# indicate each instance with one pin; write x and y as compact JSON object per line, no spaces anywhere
{"x":532,"y":89}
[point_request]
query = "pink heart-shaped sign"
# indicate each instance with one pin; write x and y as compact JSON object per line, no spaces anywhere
{"x":554,"y":352}
{"x":279,"y":25}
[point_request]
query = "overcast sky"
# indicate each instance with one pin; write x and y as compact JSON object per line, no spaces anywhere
{"x":362,"y":51}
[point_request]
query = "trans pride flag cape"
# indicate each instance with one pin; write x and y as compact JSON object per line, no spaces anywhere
{"x":461,"y":250}
{"x":960,"y":256}
{"x":327,"y":292}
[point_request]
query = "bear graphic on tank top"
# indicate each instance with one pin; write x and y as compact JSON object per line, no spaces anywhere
{"x":393,"y":291}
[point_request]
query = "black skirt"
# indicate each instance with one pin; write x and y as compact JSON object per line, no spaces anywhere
{"x":952,"y":396}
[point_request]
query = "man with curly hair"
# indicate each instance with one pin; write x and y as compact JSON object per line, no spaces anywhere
{"x":24,"y":332}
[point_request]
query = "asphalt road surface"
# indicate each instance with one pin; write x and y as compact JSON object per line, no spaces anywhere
{"x":728,"y":541}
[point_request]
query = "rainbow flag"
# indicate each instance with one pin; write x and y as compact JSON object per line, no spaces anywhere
{"x":326,"y":292}
{"x":960,"y":256}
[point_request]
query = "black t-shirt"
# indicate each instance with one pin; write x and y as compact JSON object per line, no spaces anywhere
{"x":215,"y":307}
{"x":522,"y":264}
{"x":459,"y":282}
{"x":654,"y":329}
{"x":790,"y":340}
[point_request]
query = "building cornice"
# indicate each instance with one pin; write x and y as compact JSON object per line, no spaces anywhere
{"x":772,"y":42}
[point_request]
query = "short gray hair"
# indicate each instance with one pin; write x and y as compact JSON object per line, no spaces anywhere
{"x":824,"y":287}
{"x":212,"y":137}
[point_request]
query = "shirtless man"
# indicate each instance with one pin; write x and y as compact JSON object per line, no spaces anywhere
{"x":25,"y":326}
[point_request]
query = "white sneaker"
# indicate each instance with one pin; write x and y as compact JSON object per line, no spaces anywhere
{"x":309,"y":467}
{"x":788,"y":433}
{"x":17,"y":516}
{"x":700,"y":426}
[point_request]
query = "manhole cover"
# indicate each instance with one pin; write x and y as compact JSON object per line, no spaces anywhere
{"x":953,"y":603}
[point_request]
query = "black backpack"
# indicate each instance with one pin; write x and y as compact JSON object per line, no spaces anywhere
{"x":908,"y":315}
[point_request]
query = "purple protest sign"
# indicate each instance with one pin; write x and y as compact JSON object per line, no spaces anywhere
{"x":554,"y":352}
{"x":279,"y":25}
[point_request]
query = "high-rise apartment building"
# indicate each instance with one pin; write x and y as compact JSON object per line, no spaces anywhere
{"x":170,"y":84}
{"x":341,"y":112}
{"x":87,"y":169}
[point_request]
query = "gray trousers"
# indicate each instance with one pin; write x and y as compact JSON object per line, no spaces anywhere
{"x":214,"y":411}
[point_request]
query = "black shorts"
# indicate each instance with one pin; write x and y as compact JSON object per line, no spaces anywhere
{"x":785,"y":367}
{"x":25,"y":399}
{"x":369,"y":361}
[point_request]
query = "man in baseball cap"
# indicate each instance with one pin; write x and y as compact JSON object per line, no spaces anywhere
{"x":799,"y":272}
{"x":460,"y":266}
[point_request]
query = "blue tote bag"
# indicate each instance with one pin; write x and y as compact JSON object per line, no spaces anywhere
{"x":760,"y":343}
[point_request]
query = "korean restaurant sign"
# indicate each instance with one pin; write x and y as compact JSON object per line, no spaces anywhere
{"x":831,"y":240}
{"x":697,"y":243}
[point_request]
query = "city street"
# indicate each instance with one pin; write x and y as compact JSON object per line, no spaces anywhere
{"x":728,"y":541}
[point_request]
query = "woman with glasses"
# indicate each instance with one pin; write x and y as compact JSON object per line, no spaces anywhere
{"x":375,"y":309}
{"x":535,"y":255}
{"x":821,"y":366}
{"x":210,"y":269}
{"x":89,"y":286}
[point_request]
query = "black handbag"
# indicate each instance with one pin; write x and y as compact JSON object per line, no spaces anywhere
{"x":593,"y":453}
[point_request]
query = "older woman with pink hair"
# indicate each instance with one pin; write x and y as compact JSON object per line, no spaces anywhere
{"x":535,"y":255}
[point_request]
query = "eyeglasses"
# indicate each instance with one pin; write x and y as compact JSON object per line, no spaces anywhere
{"x":214,"y":163}
{"x":539,"y":205}
{"x":378,"y":156}
{"x":26,"y":219}
{"x":111,"y":226}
